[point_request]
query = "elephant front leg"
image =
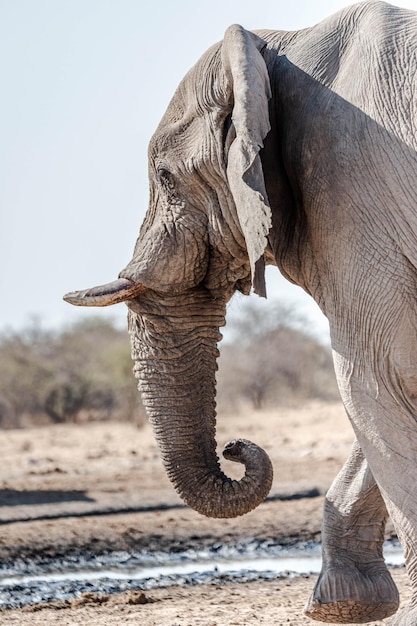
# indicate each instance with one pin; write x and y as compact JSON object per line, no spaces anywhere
{"x":355,"y":585}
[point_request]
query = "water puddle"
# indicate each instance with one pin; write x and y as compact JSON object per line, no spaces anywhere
{"x":121,"y":571}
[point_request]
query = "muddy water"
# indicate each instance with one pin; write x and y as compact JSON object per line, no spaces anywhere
{"x":30,"y":583}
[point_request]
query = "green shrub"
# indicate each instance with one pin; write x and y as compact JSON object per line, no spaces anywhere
{"x":83,"y":372}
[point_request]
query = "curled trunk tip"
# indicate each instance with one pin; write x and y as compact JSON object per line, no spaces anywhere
{"x":222,"y":497}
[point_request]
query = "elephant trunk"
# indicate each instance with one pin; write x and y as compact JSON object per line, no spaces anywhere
{"x":175,"y":356}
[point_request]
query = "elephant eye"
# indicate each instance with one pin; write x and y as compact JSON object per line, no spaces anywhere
{"x":166,"y":179}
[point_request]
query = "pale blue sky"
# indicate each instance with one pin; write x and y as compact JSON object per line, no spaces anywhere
{"x":84,"y":84}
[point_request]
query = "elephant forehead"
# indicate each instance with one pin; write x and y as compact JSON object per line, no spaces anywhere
{"x":202,"y":88}
{"x":196,"y":111}
{"x":187,"y":141}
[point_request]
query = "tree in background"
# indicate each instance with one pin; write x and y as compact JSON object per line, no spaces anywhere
{"x":81,"y":373}
{"x":270,"y":358}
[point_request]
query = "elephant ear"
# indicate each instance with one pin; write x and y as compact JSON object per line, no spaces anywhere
{"x":247,"y":74}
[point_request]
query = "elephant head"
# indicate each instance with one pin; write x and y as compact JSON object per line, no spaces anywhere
{"x":204,"y":237}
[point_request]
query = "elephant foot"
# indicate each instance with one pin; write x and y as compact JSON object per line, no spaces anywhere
{"x":347,"y":595}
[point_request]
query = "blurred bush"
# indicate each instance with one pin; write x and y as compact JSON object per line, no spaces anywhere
{"x":82,"y":373}
{"x":271,"y":358}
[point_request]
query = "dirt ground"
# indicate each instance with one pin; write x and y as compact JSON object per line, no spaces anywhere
{"x":99,"y":487}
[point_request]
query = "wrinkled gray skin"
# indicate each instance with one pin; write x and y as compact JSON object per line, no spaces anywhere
{"x":298,"y":150}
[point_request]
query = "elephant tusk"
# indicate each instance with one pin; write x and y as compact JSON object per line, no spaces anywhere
{"x":104,"y":295}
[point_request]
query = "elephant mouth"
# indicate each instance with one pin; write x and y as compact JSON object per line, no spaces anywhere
{"x":119,"y":290}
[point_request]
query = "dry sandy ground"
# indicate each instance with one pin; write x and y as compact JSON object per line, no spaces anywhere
{"x":100,"y":487}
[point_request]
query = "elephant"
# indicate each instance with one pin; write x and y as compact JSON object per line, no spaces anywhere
{"x":294,"y":149}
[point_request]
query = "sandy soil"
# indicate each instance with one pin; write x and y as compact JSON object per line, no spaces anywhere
{"x":100,"y":487}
